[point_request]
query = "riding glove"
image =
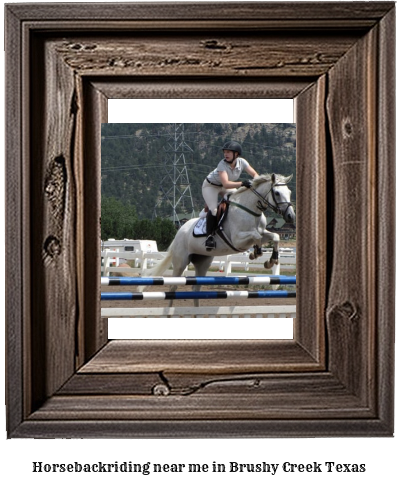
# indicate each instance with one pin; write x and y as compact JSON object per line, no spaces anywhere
{"x":247,"y":183}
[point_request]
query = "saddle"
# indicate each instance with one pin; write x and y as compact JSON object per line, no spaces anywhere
{"x":222,"y":211}
{"x":221,"y":215}
{"x":200,"y":229}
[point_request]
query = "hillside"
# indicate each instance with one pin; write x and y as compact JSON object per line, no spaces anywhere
{"x":141,"y":162}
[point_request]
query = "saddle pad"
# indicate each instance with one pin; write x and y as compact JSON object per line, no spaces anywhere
{"x":200,"y":228}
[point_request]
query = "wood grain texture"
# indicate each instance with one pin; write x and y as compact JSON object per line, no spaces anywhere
{"x":16,"y":291}
{"x":312,"y":219}
{"x":192,"y":428}
{"x":53,"y":211}
{"x":335,"y":377}
{"x":200,"y":356}
{"x":93,"y":330}
{"x":362,"y":13}
{"x":385,"y":224}
{"x":113,"y":384}
{"x":191,"y":54}
{"x":134,"y":87}
{"x":204,"y":407}
{"x":351,"y":109}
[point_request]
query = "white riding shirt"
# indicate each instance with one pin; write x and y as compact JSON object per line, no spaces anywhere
{"x":233,"y":174}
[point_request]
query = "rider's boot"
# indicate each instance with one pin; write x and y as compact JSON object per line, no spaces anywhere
{"x":211,"y":225}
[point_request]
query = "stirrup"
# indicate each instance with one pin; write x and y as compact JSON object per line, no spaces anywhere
{"x":210,"y":243}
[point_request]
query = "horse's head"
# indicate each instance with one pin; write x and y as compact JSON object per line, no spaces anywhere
{"x":276,"y":195}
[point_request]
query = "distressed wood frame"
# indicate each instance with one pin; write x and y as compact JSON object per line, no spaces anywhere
{"x":64,"y":379}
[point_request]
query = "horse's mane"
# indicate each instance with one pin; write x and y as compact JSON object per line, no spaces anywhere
{"x":265,"y":178}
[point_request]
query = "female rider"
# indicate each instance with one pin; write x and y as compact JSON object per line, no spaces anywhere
{"x":222,"y":178}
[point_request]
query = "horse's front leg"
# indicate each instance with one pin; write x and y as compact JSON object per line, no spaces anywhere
{"x":275,"y":256}
{"x":258,"y":252}
{"x":244,"y":240}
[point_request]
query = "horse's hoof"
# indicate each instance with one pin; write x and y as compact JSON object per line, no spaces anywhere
{"x":251,"y":256}
{"x":268,"y":265}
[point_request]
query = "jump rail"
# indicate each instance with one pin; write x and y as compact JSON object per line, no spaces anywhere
{"x":191,"y":281}
{"x":196,"y":295}
{"x":203,"y":312}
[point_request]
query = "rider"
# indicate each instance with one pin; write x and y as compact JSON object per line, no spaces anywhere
{"x":222,"y":178}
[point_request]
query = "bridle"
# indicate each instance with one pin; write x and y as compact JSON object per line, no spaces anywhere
{"x":263,"y":204}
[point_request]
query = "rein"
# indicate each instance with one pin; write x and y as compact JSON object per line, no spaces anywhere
{"x":244,"y":208}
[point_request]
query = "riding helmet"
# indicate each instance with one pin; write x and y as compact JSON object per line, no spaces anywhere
{"x":234,"y":146}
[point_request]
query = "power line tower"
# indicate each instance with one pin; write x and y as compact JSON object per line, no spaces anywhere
{"x":174,"y":194}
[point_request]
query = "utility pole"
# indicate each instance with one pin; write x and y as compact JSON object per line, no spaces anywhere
{"x":174,"y":194}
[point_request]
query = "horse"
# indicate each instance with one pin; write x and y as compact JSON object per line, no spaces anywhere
{"x":244,"y":227}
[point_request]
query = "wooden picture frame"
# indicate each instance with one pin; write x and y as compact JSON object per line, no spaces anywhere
{"x":335,"y":378}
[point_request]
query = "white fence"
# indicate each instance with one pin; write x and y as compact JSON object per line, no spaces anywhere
{"x":225,"y":263}
{"x":142,"y":259}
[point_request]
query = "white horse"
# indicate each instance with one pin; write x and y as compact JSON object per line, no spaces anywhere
{"x":244,"y":227}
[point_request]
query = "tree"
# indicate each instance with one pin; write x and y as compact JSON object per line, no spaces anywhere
{"x":117,"y":219}
{"x":161,"y":230}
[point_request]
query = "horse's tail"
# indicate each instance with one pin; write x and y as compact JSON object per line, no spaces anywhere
{"x":160,"y":268}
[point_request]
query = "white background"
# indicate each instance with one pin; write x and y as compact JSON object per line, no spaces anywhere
{"x":379,"y":454}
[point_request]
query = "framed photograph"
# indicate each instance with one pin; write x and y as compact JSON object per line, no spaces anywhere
{"x":65,"y":379}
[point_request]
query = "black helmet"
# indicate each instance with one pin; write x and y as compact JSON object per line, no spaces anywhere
{"x":234,"y":146}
